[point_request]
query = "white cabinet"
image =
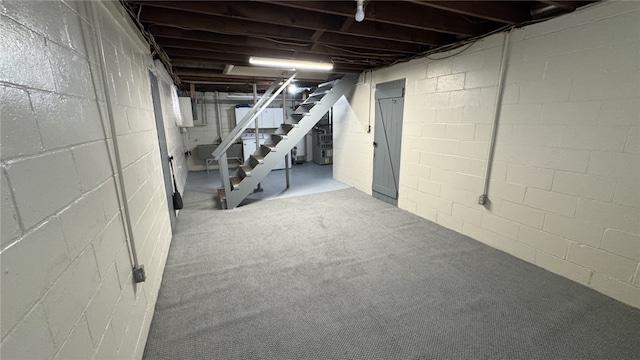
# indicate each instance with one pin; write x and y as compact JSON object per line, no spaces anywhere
{"x":270,"y":118}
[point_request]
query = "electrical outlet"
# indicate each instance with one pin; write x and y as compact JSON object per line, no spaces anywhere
{"x":138,"y":274}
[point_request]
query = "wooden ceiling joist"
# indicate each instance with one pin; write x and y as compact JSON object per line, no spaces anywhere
{"x":264,"y":16}
{"x":398,"y":13}
{"x":202,"y":38}
{"x":499,"y":11}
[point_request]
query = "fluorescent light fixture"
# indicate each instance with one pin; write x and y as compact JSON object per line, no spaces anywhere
{"x":290,"y":64}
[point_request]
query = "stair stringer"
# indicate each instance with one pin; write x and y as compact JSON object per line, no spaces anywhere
{"x":284,"y":146}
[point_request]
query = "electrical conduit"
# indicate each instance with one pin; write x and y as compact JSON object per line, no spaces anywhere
{"x":138,"y":270}
{"x":496,"y":116}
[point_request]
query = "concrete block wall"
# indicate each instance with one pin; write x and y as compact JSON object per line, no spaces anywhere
{"x":66,"y":288}
{"x":175,"y":136}
{"x":352,"y":138}
{"x":564,"y":192}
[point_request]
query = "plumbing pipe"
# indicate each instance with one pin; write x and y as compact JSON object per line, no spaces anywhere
{"x":218,"y":119}
{"x":496,"y":115}
{"x":255,"y":103}
{"x":284,"y":119}
{"x":122,"y":199}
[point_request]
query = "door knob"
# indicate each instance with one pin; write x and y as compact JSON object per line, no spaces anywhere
{"x":375,"y":144}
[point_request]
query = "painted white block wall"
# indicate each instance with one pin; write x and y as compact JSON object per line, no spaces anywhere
{"x":66,"y":287}
{"x":565,"y":186}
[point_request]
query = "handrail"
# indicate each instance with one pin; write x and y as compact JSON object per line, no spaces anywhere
{"x":256,"y":110}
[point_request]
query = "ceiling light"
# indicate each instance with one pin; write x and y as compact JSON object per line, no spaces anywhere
{"x":290,"y":64}
{"x":360,"y":11}
{"x":292,"y":89}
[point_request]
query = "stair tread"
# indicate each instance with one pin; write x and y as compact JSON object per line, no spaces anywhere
{"x":319,"y":93}
{"x":328,"y":83}
{"x":235,"y":182}
{"x":246,"y":169}
{"x":259,"y":158}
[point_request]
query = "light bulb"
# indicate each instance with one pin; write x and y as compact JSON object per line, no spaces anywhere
{"x":359,"y":13}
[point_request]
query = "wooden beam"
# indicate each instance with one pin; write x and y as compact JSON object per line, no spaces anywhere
{"x":261,"y":23}
{"x":335,"y":39}
{"x":398,"y":13}
{"x":567,"y":5}
{"x":168,"y":32}
{"x":240,"y":59}
{"x":203,"y":68}
{"x":190,"y":20}
{"x":506,"y":12}
{"x":232,"y":59}
{"x":197,"y":64}
{"x":339,"y":40}
{"x":254,"y":11}
{"x":223,"y":48}
{"x":321,"y":52}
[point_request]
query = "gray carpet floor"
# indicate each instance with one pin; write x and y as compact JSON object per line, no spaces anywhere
{"x":340,"y":275}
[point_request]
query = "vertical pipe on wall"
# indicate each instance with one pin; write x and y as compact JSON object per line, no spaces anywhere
{"x":255,"y":103}
{"x":284,"y":119}
{"x":122,"y":198}
{"x":370,"y":101}
{"x":218,"y":119}
{"x":496,"y":116}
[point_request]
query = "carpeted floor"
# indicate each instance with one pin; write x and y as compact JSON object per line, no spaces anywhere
{"x":340,"y":275}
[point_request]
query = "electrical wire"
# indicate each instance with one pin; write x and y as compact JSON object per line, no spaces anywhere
{"x":452,"y":55}
{"x":458,"y":44}
{"x":157,"y":50}
{"x":358,"y":52}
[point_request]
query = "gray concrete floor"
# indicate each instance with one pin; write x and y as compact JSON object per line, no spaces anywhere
{"x":305,"y":179}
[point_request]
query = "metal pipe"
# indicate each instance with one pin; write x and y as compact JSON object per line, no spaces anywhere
{"x":305,"y":96}
{"x":122,"y":199}
{"x":218,"y":119}
{"x":255,"y":104}
{"x":284,"y":119}
{"x":496,"y":115}
{"x":204,"y":120}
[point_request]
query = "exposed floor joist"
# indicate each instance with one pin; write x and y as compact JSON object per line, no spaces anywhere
{"x":200,"y":35}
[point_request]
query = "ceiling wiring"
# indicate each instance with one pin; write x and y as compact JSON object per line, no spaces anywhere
{"x":156,"y":49}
